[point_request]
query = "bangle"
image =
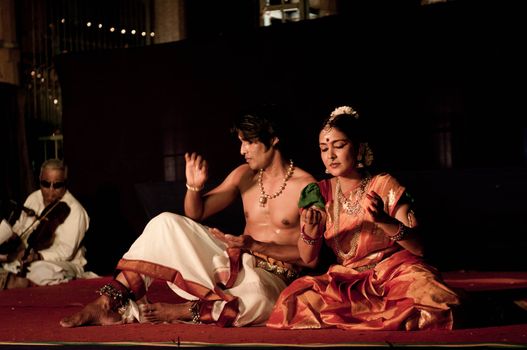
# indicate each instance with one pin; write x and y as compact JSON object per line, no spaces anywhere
{"x":194,"y":189}
{"x":308,"y":240}
{"x":401,"y":232}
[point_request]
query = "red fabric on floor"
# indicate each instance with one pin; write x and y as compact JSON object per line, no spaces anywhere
{"x":486,"y":281}
{"x":33,"y":314}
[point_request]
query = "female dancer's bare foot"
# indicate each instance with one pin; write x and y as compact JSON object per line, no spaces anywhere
{"x":98,"y":312}
{"x":164,"y":312}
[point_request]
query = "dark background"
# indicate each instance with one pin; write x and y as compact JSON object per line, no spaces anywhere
{"x":416,"y":74}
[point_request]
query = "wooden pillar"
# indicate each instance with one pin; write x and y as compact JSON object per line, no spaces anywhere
{"x":169,"y":21}
{"x":9,"y":51}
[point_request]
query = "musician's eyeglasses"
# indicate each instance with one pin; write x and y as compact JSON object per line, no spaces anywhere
{"x":56,"y":185}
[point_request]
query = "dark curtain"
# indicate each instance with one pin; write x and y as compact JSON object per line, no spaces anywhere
{"x":16,"y":177}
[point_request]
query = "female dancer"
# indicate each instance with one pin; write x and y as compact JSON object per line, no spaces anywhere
{"x":380,"y":281}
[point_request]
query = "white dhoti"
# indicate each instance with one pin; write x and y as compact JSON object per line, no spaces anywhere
{"x":47,"y":273}
{"x":52,"y":272}
{"x":198,"y":266}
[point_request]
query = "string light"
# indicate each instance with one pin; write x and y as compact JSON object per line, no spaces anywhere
{"x":69,"y":29}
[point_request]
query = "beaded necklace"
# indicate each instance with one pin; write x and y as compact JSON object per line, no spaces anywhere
{"x":351,"y":207}
{"x":264,"y":196}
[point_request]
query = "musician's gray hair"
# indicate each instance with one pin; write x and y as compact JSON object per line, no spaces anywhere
{"x":54,"y":164}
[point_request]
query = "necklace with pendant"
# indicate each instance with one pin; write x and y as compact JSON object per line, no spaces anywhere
{"x":351,"y":205}
{"x":264,"y":197}
{"x":350,"y":208}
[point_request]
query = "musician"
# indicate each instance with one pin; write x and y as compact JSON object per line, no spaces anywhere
{"x":46,"y":241}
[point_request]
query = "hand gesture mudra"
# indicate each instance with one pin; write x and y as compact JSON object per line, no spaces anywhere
{"x":311,"y":218}
{"x":374,"y":205}
{"x":196,"y":170}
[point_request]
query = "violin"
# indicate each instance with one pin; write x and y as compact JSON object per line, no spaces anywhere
{"x":51,"y":217}
{"x":42,"y":236}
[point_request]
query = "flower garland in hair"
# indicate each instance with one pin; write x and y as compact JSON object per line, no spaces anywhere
{"x":344,"y":110}
{"x":340,"y":111}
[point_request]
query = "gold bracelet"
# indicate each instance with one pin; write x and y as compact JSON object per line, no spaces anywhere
{"x":194,"y":189}
{"x":401,"y":232}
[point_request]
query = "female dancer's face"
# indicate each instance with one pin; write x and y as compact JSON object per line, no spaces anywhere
{"x":337,"y":152}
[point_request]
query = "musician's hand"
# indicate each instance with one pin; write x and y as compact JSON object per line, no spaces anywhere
{"x":31,"y":257}
{"x":17,"y":254}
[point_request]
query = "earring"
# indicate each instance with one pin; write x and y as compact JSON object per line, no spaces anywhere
{"x":327,"y":171}
{"x":359,"y":156}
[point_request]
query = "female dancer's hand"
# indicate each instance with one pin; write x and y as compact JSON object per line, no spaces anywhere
{"x":310,"y":220}
{"x":374,"y":205}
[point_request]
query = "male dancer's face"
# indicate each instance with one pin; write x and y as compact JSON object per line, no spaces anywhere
{"x":256,"y":154}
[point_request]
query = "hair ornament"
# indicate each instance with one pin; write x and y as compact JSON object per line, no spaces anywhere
{"x":344,"y":110}
{"x":340,"y":111}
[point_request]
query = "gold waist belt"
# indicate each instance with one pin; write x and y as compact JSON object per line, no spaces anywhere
{"x":365,"y":267}
{"x":285,"y":274}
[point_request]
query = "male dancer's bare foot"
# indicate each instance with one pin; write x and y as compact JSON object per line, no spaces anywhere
{"x":98,"y":312}
{"x":164,"y":312}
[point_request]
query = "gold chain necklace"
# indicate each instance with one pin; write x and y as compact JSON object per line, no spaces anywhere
{"x":264,"y":196}
{"x":350,"y":209}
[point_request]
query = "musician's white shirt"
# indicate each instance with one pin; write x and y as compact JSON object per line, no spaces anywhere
{"x":66,"y":256}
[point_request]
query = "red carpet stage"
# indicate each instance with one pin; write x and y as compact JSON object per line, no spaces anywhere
{"x":30,"y":319}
